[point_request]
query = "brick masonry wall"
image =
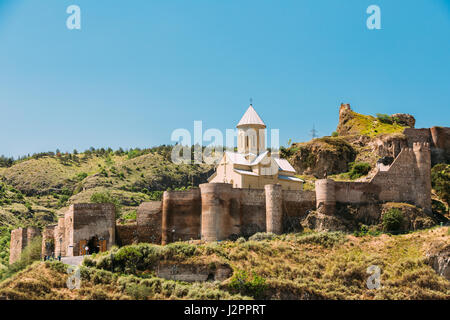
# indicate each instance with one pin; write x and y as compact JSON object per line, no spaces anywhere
{"x":20,"y":238}
{"x":355,"y":192}
{"x":252,"y":210}
{"x":149,"y":221}
{"x":48,"y":241}
{"x":126,"y":234}
{"x":297,"y":203}
{"x":406,"y":180}
{"x":181,"y":215}
{"x":60,"y":241}
{"x":399,"y":183}
{"x":84,"y":221}
{"x":437,"y":137}
{"x":17,"y":243}
{"x":32,"y":232}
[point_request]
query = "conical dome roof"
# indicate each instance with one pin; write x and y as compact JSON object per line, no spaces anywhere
{"x":250,"y":118}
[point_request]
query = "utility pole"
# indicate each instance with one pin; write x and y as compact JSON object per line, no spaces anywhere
{"x":314,"y":132}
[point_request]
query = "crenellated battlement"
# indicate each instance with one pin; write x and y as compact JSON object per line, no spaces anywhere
{"x":421,"y":146}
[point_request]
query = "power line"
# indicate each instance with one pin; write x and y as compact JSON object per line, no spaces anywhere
{"x":314,"y":132}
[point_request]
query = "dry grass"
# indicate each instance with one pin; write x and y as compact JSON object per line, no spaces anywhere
{"x":294,"y":266}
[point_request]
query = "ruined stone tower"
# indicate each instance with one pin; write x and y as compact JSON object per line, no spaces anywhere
{"x":423,"y":184}
{"x":20,"y":238}
{"x":274,"y":209}
{"x":325,"y":196}
{"x":215,"y":210}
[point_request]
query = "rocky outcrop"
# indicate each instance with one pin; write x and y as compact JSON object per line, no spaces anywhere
{"x":318,"y":221}
{"x":414,"y":218}
{"x":439,"y":260}
{"x":388,"y":145}
{"x":193,"y":273}
{"x":405,"y":119}
{"x":345,"y":115}
{"x":353,"y":123}
{"x":329,"y":155}
{"x":350,"y":217}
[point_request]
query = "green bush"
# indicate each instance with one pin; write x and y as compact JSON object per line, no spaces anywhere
{"x":131,"y":215}
{"x":392,"y":220}
{"x":31,"y":253}
{"x":128,"y":258}
{"x":440,"y":181}
{"x":155,"y":195}
{"x":246,"y":284}
{"x":335,"y":134}
{"x":63,"y":200}
{"x":106,"y":197}
{"x":384,"y":118}
{"x":326,"y":239}
{"x":262,"y":236}
{"x":240,"y":240}
{"x":358,"y":169}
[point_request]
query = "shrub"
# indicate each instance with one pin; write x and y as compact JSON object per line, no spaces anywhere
{"x":262,"y":236}
{"x":384,"y":118}
{"x":359,"y":169}
{"x":131,"y":215}
{"x":392,"y":220}
{"x":180,"y":249}
{"x":65,"y":191}
{"x":334,"y":134}
{"x":106,"y":197}
{"x":137,"y":291}
{"x":244,"y":283}
{"x":63,"y":200}
{"x":155,"y":195}
{"x":81,"y":176}
{"x":127,"y":259}
{"x":440,"y":181}
{"x":326,"y":239}
{"x":31,"y":253}
{"x":240,"y":240}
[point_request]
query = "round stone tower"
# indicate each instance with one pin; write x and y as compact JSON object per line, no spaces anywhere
{"x":274,"y":209}
{"x":215,"y":210}
{"x":423,"y":187}
{"x":166,"y":234}
{"x":325,"y":196}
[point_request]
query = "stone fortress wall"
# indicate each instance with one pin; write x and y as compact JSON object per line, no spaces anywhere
{"x":407,"y":179}
{"x":20,"y":238}
{"x":217,"y":211}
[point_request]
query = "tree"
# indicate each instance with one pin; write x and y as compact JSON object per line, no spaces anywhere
{"x":106,"y":197}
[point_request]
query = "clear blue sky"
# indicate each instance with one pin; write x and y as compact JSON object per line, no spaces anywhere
{"x":139,"y":69}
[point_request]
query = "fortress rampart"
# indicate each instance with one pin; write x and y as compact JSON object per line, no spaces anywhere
{"x":438,"y":139}
{"x":407,"y":179}
{"x":217,"y":211}
{"x":181,"y":215}
{"x":20,"y":238}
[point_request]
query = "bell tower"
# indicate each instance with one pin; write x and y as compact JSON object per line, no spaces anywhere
{"x":251,"y":134}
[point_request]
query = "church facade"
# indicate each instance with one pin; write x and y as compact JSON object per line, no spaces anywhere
{"x":253,"y":166}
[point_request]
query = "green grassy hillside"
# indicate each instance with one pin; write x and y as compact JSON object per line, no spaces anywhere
{"x":294,"y":266}
{"x":36,"y":189}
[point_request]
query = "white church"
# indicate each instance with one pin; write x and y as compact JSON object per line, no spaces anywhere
{"x":253,"y":166}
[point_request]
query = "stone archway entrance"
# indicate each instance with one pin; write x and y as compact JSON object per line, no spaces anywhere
{"x":93,"y":245}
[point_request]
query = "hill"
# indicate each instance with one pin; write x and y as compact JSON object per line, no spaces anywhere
{"x":36,"y":189}
{"x":294,"y":266}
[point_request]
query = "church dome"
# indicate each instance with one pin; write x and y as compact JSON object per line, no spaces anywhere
{"x":251,"y":118}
